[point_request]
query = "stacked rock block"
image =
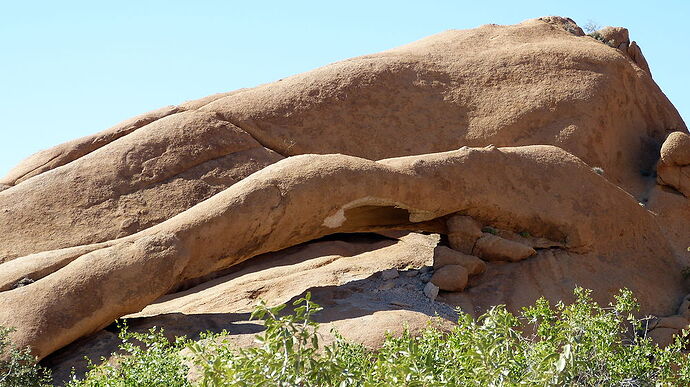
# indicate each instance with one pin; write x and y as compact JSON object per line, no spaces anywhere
{"x":471,"y":246}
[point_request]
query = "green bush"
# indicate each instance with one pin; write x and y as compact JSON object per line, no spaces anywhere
{"x":288,"y":353}
{"x":17,"y":366}
{"x":146,"y":359}
{"x":582,"y":344}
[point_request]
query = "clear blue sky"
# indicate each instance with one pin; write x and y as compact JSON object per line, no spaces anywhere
{"x":72,"y":68}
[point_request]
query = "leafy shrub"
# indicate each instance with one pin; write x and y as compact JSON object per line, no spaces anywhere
{"x":288,"y":354}
{"x":17,"y":366}
{"x":582,"y":344}
{"x":147,"y":359}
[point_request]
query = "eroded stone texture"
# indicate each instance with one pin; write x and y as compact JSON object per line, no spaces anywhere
{"x":463,"y":232}
{"x":537,"y":82}
{"x":257,"y":212}
{"x":444,"y":256}
{"x":452,"y":278}
{"x":494,"y":248}
{"x":500,"y":124}
{"x":674,"y":166}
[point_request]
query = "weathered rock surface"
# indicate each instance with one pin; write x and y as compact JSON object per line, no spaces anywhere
{"x":463,"y":232}
{"x":674,"y":166}
{"x":494,"y":248}
{"x":452,"y":278}
{"x":431,"y":290}
{"x":684,"y":308}
{"x":675,"y":322}
{"x":127,"y":185}
{"x":538,"y":82}
{"x":665,"y":329}
{"x":663,"y":336}
{"x":257,"y":212}
{"x":444,"y":256}
{"x":635,"y":53}
{"x":341,"y":275}
{"x":174,"y":213}
{"x":619,"y":37}
{"x":389,"y":274}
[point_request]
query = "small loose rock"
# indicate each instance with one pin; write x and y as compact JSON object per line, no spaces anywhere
{"x":431,"y":291}
{"x":389,"y":274}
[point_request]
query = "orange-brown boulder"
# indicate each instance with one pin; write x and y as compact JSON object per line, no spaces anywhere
{"x":674,"y":166}
{"x":452,"y":278}
{"x":494,"y":248}
{"x":463,"y":232}
{"x":257,"y":213}
{"x":500,"y":124}
{"x":617,"y":37}
{"x":537,"y":82}
{"x":444,"y":256}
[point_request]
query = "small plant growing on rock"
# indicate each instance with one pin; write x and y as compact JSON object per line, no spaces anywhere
{"x":598,"y":170}
{"x":592,"y":30}
{"x":490,"y":230}
{"x":600,"y":37}
{"x":591,"y":27}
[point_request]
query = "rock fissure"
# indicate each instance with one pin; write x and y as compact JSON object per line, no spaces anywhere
{"x":31,"y":172}
{"x":219,"y":116}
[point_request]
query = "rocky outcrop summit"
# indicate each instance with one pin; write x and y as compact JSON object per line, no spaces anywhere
{"x":496,"y":165}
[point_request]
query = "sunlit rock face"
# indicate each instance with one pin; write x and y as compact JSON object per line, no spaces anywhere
{"x":499,"y":164}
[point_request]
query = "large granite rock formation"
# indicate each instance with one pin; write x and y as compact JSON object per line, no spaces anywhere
{"x":532,"y":146}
